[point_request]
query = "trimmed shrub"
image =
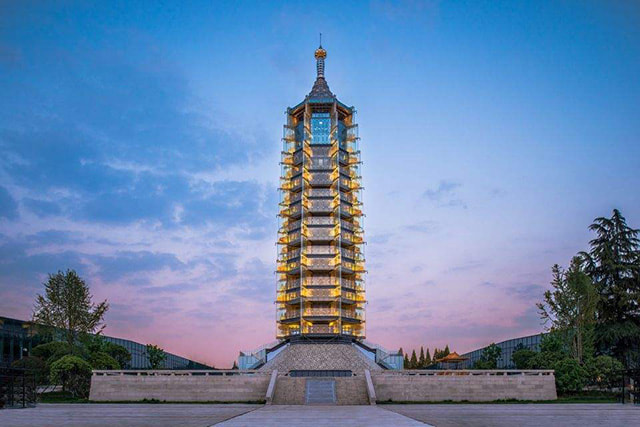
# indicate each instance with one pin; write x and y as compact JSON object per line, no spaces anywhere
{"x":604,"y":372}
{"x":522,"y":358}
{"x":102,"y":360}
{"x":570,"y":376}
{"x":118,"y":352}
{"x":45,"y":351}
{"x":73,"y":373}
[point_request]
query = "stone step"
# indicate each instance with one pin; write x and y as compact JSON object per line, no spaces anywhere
{"x":320,"y":392}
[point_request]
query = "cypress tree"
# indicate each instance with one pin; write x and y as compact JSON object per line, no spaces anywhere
{"x":406,"y":361}
{"x":421,"y":362}
{"x":413,"y":363}
{"x":427,"y":358}
{"x":401,"y":352}
{"x":446,"y":351}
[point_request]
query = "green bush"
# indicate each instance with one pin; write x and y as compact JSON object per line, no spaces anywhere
{"x":35,"y":365}
{"x":545,"y":360}
{"x":522,"y":358}
{"x":45,"y":351}
{"x":73,"y":373}
{"x":570,"y":376}
{"x":604,"y":372}
{"x":118,"y":352}
{"x":102,"y":360}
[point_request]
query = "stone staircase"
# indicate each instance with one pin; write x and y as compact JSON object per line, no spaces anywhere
{"x":320,"y":392}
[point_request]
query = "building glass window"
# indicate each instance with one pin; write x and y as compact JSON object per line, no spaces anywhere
{"x":320,"y":128}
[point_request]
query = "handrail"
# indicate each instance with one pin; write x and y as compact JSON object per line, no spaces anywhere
{"x":178,"y":372}
{"x":469,"y":372}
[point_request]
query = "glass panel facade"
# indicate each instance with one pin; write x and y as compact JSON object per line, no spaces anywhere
{"x":320,"y":128}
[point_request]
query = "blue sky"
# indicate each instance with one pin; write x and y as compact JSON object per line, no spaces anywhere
{"x":139,"y":144}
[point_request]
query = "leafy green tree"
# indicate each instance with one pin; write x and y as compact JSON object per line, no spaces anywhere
{"x":156,"y":356}
{"x":421,"y":361}
{"x":96,"y":344}
{"x":570,"y":307}
{"x":427,"y":358}
{"x":102,"y":360}
{"x":35,"y":365}
{"x":604,"y":372}
{"x":570,"y":375}
{"x":67,"y":305}
{"x":73,"y":373}
{"x":413,"y":362}
{"x":489,"y":358}
{"x":407,"y":363}
{"x":45,"y":351}
{"x":446,"y":351}
{"x":613,"y":262}
{"x":522,"y":358}
{"x":119,"y":353}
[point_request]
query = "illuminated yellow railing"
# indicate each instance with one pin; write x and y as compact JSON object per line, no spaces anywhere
{"x":327,"y":312}
{"x":289,"y":296}
{"x":320,"y":293}
{"x":320,"y":329}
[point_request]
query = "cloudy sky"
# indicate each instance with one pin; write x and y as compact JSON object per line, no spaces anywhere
{"x":139,"y":145}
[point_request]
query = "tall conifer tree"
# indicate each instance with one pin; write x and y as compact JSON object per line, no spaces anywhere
{"x":413,"y":362}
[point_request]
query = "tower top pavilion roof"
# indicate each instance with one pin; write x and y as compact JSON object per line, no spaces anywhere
{"x":320,"y":87}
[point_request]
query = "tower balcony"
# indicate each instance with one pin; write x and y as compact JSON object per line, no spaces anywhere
{"x":355,"y":315}
{"x":320,"y":330}
{"x":320,"y":294}
{"x":289,"y":316}
{"x":288,"y":297}
{"x":321,"y":312}
{"x":321,"y":281}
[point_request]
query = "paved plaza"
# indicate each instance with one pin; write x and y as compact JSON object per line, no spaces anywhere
{"x":232,"y":415}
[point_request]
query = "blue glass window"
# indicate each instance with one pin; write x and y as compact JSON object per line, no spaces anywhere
{"x":320,"y":128}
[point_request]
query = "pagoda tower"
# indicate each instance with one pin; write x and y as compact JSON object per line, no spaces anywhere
{"x":320,"y":267}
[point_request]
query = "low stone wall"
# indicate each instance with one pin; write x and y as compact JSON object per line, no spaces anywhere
{"x":179,"y":386}
{"x":473,"y":386}
{"x":349,"y":390}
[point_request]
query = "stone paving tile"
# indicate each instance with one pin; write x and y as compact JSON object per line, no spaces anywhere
{"x":112,"y":415}
{"x":321,"y":416}
{"x":522,"y":415}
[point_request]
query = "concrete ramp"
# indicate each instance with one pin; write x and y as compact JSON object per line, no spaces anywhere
{"x":320,"y":392}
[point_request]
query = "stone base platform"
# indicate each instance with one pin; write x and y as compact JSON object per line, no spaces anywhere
{"x":321,"y":357}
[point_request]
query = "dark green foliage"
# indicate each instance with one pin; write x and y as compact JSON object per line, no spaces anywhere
{"x":407,"y":363}
{"x":73,"y":373}
{"x":421,"y":361}
{"x":45,"y":351}
{"x":235,"y":365}
{"x":413,"y":362}
{"x":35,"y":365}
{"x":119,"y":353}
{"x":96,"y":344}
{"x":66,"y":305}
{"x":427,"y":358}
{"x":604,"y":372}
{"x":156,"y":356}
{"x":522,"y":358}
{"x":570,"y":375}
{"x":489,"y":358}
{"x":613,"y":262}
{"x":102,"y":360}
{"x":400,"y":352}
